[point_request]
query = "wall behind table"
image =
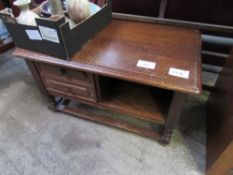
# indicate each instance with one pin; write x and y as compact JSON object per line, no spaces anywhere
{"x":206,"y":11}
{"x":137,"y":7}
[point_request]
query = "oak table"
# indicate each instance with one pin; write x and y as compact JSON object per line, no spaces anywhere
{"x":140,"y":69}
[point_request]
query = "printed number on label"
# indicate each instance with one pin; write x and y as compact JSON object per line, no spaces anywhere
{"x":179,"y":73}
{"x":146,"y":64}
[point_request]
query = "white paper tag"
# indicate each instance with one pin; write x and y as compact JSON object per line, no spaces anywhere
{"x":179,"y":73}
{"x":49,"y":34}
{"x":33,"y":35}
{"x":146,"y":64}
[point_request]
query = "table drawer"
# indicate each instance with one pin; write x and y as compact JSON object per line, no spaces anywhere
{"x":69,"y":74}
{"x":70,"y":90}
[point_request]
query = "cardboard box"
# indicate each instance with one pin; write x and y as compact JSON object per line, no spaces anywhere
{"x":56,"y":38}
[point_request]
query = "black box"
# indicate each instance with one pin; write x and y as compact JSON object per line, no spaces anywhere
{"x":63,"y":42}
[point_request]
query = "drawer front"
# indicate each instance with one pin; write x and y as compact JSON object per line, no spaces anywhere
{"x":70,"y":90}
{"x":68,"y":74}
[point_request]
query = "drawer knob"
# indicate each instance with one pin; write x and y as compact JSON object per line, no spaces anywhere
{"x":63,"y":71}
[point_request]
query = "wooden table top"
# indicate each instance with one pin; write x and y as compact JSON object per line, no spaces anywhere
{"x":116,"y":51}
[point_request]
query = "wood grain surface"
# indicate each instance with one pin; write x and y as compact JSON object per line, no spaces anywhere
{"x":116,"y":50}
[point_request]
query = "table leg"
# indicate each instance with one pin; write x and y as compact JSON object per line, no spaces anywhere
{"x":175,"y":110}
{"x":35,"y":73}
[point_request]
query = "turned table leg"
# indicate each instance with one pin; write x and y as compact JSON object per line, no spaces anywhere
{"x":175,"y":110}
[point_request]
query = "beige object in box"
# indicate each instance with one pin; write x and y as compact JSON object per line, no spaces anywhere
{"x":78,"y":10}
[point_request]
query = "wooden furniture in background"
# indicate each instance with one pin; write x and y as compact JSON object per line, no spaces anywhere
{"x":1,"y":5}
{"x":220,"y":124}
{"x":15,"y":9}
{"x":218,"y":12}
{"x":104,"y":75}
{"x":144,"y":8}
{"x":208,"y":15}
{"x":7,"y":43}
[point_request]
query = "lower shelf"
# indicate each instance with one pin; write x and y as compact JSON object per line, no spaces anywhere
{"x":110,"y":118}
{"x":145,"y":102}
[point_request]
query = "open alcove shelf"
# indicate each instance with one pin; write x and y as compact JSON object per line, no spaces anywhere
{"x":144,"y":101}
